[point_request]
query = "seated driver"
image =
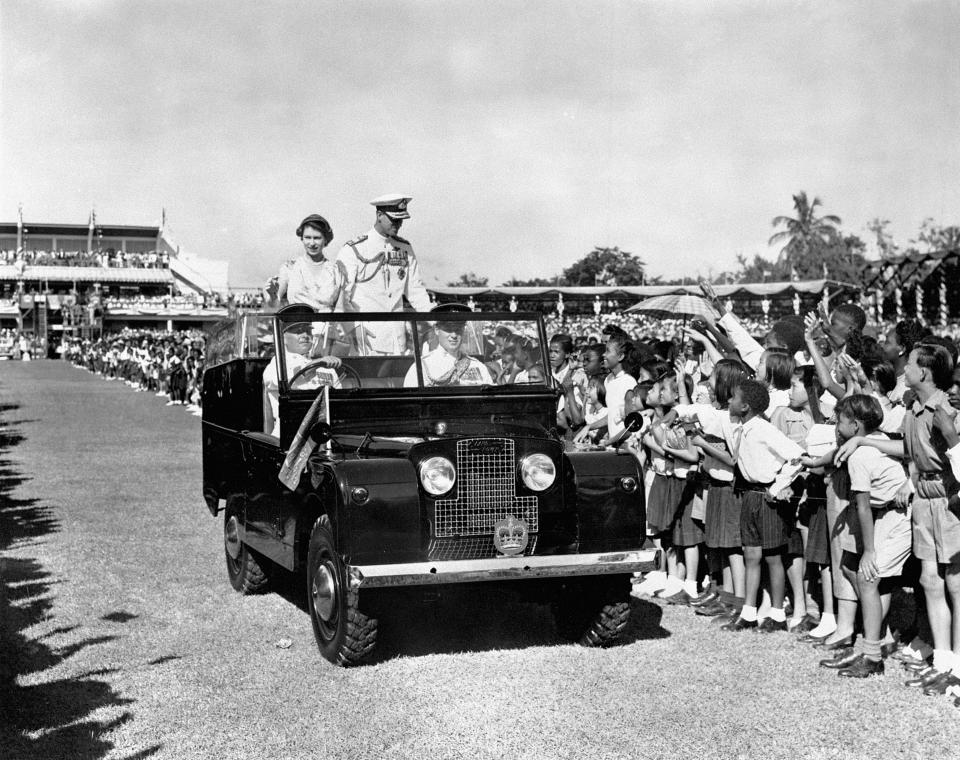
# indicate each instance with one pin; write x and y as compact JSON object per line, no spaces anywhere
{"x":449,"y":363}
{"x":298,"y":339}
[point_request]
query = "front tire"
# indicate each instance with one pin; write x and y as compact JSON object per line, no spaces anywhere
{"x":245,"y":568}
{"x":593,"y":611}
{"x":345,"y":636}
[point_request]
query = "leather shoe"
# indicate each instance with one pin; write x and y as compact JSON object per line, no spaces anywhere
{"x":726,"y":617}
{"x":739,"y":625}
{"x":862,"y":668}
{"x":940,"y":685}
{"x":716,"y":607}
{"x":806,"y":624}
{"x":681,"y":598}
{"x":846,"y":641}
{"x":814,"y":640}
{"x":924,"y":677}
{"x":772,"y":626}
{"x":843,"y":659}
{"x":707,"y":597}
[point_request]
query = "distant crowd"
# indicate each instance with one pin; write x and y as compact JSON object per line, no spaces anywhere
{"x":167,"y":363}
{"x":105,"y":258}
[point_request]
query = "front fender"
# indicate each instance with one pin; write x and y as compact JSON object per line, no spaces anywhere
{"x":388,"y":526}
{"x":611,"y":518}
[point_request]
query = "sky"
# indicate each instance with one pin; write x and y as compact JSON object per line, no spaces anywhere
{"x":526,"y":132}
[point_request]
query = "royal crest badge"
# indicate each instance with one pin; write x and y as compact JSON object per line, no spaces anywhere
{"x":510,"y":536}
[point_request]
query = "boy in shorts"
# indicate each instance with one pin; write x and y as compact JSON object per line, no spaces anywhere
{"x":876,"y":539}
{"x":936,"y":529}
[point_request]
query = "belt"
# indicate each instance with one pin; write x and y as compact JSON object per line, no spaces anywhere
{"x":745,"y":485}
{"x":936,"y":475}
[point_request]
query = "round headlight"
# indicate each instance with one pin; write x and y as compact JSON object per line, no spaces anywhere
{"x":437,"y":475}
{"x":538,"y":472}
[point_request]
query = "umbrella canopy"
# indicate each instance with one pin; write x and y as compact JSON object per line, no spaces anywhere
{"x":676,"y":306}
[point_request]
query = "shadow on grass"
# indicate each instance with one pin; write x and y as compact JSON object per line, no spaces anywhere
{"x":51,"y":718}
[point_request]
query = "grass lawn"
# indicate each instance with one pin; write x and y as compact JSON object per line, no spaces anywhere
{"x":121,"y":637}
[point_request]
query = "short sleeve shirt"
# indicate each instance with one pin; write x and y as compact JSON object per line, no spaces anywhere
{"x":871,"y":471}
{"x":924,"y":445}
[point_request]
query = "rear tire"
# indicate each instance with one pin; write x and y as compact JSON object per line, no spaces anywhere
{"x":344,"y":634}
{"x":593,"y":611}
{"x":245,"y":568}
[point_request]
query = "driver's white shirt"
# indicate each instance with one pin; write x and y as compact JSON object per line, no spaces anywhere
{"x":294,"y":362}
{"x":438,"y":369}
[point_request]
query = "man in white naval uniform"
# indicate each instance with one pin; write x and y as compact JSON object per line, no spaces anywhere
{"x":381,"y":269}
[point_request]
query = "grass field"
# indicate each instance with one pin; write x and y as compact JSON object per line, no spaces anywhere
{"x":121,"y":637}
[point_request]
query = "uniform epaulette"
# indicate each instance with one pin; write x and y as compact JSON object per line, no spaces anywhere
{"x":357,"y":239}
{"x":400,"y":239}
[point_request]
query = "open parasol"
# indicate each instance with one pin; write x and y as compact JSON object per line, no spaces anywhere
{"x":676,"y":306}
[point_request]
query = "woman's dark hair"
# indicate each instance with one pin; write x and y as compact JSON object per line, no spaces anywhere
{"x":633,"y":361}
{"x":811,"y":383}
{"x":665,"y":350}
{"x":320,"y":224}
{"x":656,"y":368}
{"x":862,"y":408}
{"x":884,"y":375}
{"x":779,"y":369}
{"x":908,"y":332}
{"x":728,"y":373}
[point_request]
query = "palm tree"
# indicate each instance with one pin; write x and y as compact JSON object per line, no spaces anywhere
{"x":804,"y":233}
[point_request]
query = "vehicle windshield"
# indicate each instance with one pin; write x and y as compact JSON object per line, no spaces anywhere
{"x":403,"y":351}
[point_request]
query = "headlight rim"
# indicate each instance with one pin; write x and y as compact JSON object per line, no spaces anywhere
{"x":525,"y":462}
{"x":431,"y":463}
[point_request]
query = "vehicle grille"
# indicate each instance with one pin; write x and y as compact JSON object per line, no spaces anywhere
{"x":472,"y":547}
{"x":486,"y":490}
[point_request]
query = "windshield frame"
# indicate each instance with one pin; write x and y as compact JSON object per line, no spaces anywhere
{"x":417,"y":320}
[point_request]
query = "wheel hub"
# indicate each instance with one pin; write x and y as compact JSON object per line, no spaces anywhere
{"x":231,"y":537}
{"x":324,"y":592}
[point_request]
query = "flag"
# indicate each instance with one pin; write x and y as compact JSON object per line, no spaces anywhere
{"x":303,"y":445}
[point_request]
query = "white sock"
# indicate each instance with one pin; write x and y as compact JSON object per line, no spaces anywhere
{"x":690,"y":587}
{"x":776,"y":614}
{"x":655,"y":580}
{"x":748,"y":613}
{"x":826,"y":626}
{"x":942,"y":660}
{"x":673,"y":585}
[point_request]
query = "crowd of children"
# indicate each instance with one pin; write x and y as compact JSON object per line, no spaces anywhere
{"x":169,"y":364}
{"x":806,"y":483}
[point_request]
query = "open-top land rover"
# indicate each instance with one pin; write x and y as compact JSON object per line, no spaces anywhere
{"x":366,"y":452}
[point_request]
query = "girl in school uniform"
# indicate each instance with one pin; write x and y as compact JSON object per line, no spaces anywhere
{"x":775,"y":371}
{"x":722,"y":508}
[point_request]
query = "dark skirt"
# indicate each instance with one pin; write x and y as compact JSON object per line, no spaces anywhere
{"x":665,"y":493}
{"x":722,"y":523}
{"x":818,"y":535}
{"x":688,"y":531}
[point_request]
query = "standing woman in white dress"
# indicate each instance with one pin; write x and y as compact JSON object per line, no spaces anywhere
{"x":312,"y":278}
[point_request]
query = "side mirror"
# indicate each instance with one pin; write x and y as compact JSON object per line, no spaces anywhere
{"x":320,"y":433}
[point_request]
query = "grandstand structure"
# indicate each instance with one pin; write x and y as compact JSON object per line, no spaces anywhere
{"x":84,"y":279}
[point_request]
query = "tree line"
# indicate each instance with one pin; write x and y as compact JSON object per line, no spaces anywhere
{"x":812,"y":246}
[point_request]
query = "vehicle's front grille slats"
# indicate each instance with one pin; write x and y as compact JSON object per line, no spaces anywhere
{"x":486,"y":490}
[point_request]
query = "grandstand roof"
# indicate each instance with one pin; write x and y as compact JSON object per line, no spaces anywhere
{"x":136,"y":275}
{"x":645,"y":291}
{"x":107,"y":230}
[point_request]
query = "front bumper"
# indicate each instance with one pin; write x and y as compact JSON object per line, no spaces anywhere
{"x":498,"y":569}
